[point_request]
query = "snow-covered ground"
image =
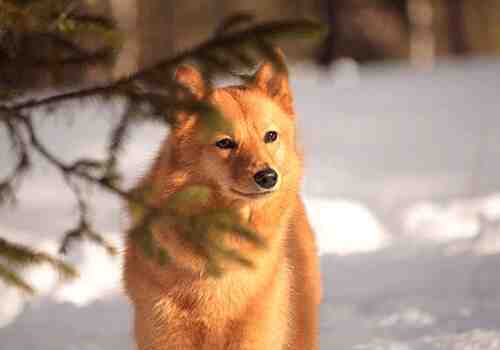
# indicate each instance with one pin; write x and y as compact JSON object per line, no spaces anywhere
{"x":402,"y":187}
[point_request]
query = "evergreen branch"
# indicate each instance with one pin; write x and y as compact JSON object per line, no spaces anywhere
{"x":81,"y":168}
{"x":98,"y":239}
{"x":48,"y":17}
{"x":203,"y":231}
{"x":234,"y":21}
{"x":12,"y":278}
{"x":56,"y":27}
{"x":242,"y":57}
{"x":84,"y":58}
{"x":233,"y":255}
{"x":221,"y":53}
{"x":272,"y":31}
{"x":198,"y":227}
{"x":78,"y":168}
{"x":117,"y":139}
{"x":7,"y":184}
{"x":81,"y":231}
{"x":63,"y":43}
{"x":83,"y":226}
{"x":23,"y":256}
{"x":23,"y":162}
{"x":269,"y":31}
{"x":93,"y":91}
{"x":97,"y":21}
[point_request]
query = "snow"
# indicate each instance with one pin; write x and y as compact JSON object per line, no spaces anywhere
{"x":344,"y":226}
{"x":407,"y":218}
{"x":100,"y":274}
{"x":12,"y":304}
{"x":457,"y":219}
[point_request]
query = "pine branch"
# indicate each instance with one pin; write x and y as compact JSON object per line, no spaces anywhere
{"x":81,"y":231}
{"x":116,"y":142}
{"x":235,"y":21}
{"x":83,"y":58}
{"x":49,"y":36}
{"x":84,"y":228}
{"x":18,"y":146}
{"x":153,"y":86}
{"x":22,"y":256}
{"x":12,"y":278}
{"x":82,"y":168}
{"x":234,"y":41}
{"x":203,"y":231}
{"x":51,"y":16}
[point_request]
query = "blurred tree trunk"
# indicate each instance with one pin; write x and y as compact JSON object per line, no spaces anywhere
{"x":364,"y":30}
{"x":422,"y":35}
{"x":456,"y":27}
{"x":149,"y":33}
{"x":156,"y":30}
{"x":329,"y":51}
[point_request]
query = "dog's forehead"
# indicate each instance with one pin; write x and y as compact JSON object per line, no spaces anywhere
{"x":245,"y":104}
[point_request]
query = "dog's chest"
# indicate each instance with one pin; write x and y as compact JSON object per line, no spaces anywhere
{"x":229,"y":314}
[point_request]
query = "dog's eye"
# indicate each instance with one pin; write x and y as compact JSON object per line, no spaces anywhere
{"x":270,"y":136}
{"x":226,"y":143}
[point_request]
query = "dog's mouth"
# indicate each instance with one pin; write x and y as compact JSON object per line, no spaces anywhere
{"x":252,"y":194}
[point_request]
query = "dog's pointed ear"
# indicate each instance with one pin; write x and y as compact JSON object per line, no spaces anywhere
{"x":272,"y":79}
{"x":192,"y":79}
{"x":193,"y":85}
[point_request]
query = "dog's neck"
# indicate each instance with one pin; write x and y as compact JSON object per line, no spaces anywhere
{"x":256,"y":213}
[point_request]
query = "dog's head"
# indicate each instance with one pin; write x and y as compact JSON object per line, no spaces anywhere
{"x":253,"y":154}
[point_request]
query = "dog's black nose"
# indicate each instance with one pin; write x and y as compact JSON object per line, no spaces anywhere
{"x":266,"y":178}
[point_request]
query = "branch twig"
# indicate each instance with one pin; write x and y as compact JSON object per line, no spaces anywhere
{"x":269,"y":31}
{"x":149,"y":85}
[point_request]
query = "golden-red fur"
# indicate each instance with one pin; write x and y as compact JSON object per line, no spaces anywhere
{"x":271,"y":306}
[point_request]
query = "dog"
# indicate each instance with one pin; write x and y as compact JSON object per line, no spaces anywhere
{"x":253,"y":167}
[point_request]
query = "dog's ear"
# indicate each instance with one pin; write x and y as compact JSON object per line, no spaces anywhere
{"x":193,"y":85}
{"x":272,"y":79}
{"x":192,"y":79}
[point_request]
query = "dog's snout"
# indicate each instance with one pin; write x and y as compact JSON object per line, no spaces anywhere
{"x":266,"y":178}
